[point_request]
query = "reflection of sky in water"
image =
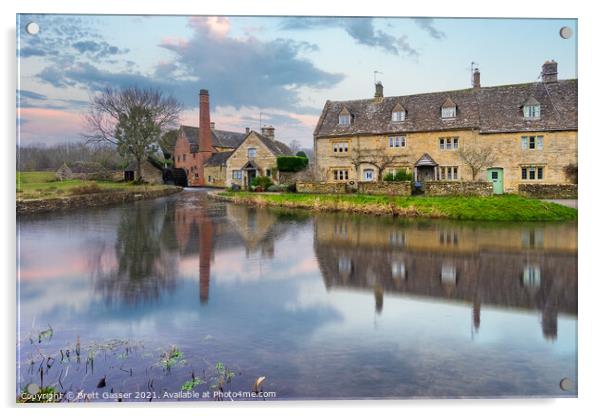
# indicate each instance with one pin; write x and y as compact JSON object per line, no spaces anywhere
{"x":270,"y":312}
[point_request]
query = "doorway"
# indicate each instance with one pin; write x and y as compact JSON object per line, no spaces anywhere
{"x":251,"y":174}
{"x":496,"y":177}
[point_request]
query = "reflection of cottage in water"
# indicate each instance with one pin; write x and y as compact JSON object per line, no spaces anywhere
{"x":531,"y":267}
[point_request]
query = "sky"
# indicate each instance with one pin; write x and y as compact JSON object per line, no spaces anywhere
{"x":274,"y":70}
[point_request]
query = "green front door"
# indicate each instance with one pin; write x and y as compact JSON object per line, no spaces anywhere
{"x":496,"y":176}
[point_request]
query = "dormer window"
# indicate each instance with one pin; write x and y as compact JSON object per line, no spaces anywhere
{"x":448,"y":109}
{"x":345,"y":117}
{"x":531,"y":109}
{"x":398,"y":114}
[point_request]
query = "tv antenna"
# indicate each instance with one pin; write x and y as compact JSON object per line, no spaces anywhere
{"x":473,"y":66}
{"x":376,"y":72}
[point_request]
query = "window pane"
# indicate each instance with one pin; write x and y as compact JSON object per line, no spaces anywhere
{"x":524,"y":142}
{"x":539,"y":142}
{"x":531,"y":173}
{"x":441,"y":143}
{"x":524,"y":173}
{"x":539,"y":173}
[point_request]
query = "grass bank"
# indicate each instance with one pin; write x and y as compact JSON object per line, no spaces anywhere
{"x":43,"y":185}
{"x":491,"y":208}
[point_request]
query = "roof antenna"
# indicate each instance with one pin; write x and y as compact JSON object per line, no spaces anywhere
{"x":376,"y":72}
{"x":473,"y":66}
{"x":260,"y":113}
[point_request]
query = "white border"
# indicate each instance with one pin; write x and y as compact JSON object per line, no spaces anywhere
{"x":590,"y":152}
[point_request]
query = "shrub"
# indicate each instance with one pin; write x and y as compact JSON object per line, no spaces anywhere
{"x":91,"y":188}
{"x":571,"y":172}
{"x":235,"y":188}
{"x":292,"y":163}
{"x":277,"y":188}
{"x":301,"y":153}
{"x":261,"y":183}
{"x":400,"y":175}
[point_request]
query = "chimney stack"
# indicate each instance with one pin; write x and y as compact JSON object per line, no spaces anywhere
{"x":549,"y":71}
{"x":247,"y":130}
{"x":378,"y":92}
{"x":476,"y":78}
{"x":205,"y":142}
{"x":268,"y":131}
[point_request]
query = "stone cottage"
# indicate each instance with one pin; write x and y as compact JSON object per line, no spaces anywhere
{"x":212,"y":157}
{"x":530,"y":129}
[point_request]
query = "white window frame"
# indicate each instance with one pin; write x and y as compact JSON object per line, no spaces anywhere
{"x":344,"y":119}
{"x":341,"y":174}
{"x":397,"y":141}
{"x":340,"y":147}
{"x":398,"y":116}
{"x":449,"y":143}
{"x":398,"y":270}
{"x":532,"y":112}
{"x":536,"y":141}
{"x":535,"y":170}
{"x":368,"y":175}
{"x":237,"y":174}
{"x":252,"y":150}
{"x":532,"y":276}
{"x":448,"y":112}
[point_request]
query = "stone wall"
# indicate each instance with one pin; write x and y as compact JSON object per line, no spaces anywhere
{"x":321,"y":187}
{"x":91,"y":200}
{"x":402,"y":188}
{"x":457,"y":188}
{"x":551,"y":191}
{"x":215,"y":176}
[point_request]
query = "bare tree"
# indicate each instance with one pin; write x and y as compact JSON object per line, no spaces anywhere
{"x":477,"y":158}
{"x":132,"y":119}
{"x":377,"y":157}
{"x":294,"y":145}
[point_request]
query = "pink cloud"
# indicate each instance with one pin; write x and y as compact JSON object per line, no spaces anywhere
{"x":41,"y":124}
{"x":216,"y":26}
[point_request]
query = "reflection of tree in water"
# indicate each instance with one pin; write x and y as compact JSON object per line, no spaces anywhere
{"x":144,"y":252}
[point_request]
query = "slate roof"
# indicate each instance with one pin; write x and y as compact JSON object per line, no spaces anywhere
{"x":276,"y":147}
{"x":486,"y":109}
{"x":218,"y":159}
{"x":219,"y":138}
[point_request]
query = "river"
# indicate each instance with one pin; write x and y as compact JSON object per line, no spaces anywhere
{"x":154,"y":294}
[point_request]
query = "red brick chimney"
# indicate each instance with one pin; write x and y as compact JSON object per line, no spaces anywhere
{"x":205,"y":142}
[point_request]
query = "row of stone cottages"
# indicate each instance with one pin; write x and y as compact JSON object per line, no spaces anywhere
{"x":530,"y":128}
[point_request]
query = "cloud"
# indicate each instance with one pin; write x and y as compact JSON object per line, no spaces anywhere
{"x":427,"y":24}
{"x":45,"y":125}
{"x":361,"y":29}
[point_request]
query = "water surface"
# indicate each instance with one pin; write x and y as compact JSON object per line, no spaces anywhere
{"x":324,"y":306}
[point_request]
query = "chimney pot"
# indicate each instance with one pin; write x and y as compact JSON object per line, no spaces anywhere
{"x":247,"y":130}
{"x":549,"y":71}
{"x":268,"y":131}
{"x":476,"y":78}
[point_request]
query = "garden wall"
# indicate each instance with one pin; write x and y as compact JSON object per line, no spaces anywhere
{"x":457,"y":188}
{"x":401,"y":188}
{"x":550,"y":191}
{"x":321,"y":187}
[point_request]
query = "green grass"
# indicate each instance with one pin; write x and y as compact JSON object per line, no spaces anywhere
{"x":490,"y":208}
{"x":43,"y":185}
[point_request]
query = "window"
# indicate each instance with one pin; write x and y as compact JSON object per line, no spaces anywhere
{"x":369,"y":175}
{"x":448,"y":237}
{"x":532,"y":142}
{"x":398,"y":270}
{"x":448,"y":112}
{"x":397,"y":238}
{"x":449,"y":143}
{"x":397,"y":141}
{"x":532,"y":111}
{"x":251,"y":152}
{"x":449,"y":173}
{"x":184,"y":157}
{"x":398,"y":115}
{"x":448,"y":273}
{"x":532,"y":173}
{"x":345,"y":117}
{"x":237,"y":174}
{"x":178,"y":158}
{"x":268,"y":172}
{"x":341,"y":174}
{"x":344,"y":265}
{"x":531,"y":276}
{"x":340,"y":147}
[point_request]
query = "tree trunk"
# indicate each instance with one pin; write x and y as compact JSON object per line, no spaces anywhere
{"x":139,"y":169}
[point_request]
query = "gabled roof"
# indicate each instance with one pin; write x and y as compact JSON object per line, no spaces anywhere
{"x":276,"y":147}
{"x":218,"y":159}
{"x":531,"y":101}
{"x":426,"y":160}
{"x":398,"y":107}
{"x":219,"y":138}
{"x":448,"y":103}
{"x":487,"y":109}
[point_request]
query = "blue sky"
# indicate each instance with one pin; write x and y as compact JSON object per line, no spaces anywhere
{"x":284,"y":68}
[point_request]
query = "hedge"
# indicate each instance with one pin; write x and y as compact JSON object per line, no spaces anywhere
{"x":291,"y":163}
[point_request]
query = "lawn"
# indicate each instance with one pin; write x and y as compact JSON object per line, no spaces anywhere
{"x":489,"y":208}
{"x":43,"y":185}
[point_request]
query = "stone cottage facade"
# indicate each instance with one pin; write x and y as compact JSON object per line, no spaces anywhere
{"x":530,"y":129}
{"x":219,"y":158}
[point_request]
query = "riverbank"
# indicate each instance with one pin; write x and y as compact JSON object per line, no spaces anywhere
{"x":96,"y":199}
{"x":490,"y":208}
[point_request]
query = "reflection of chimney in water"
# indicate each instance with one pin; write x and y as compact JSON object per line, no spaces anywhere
{"x":378,"y":298}
{"x":476,"y":314}
{"x":549,"y":321}
{"x":205,"y":240}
